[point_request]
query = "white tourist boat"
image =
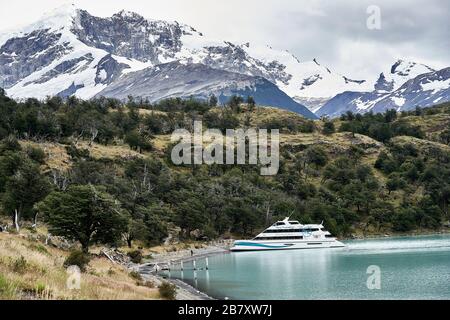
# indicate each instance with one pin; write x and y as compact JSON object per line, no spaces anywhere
{"x":289,"y":235}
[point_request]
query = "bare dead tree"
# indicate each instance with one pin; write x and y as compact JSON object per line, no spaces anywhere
{"x":60,"y":180}
{"x":79,"y":137}
{"x":94,"y":134}
{"x":16,"y":220}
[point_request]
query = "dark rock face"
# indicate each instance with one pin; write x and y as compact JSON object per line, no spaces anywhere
{"x":347,"y":80}
{"x":234,"y":59}
{"x":21,"y":56}
{"x":70,"y":90}
{"x":129,"y":35}
{"x":108,"y":70}
{"x":200,"y":81}
{"x":311,"y":80}
{"x":64,"y":67}
{"x":383,"y":85}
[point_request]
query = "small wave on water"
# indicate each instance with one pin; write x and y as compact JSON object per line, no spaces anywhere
{"x":401,"y":243}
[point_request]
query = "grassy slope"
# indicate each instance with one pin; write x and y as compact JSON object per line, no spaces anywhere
{"x":42,"y":275}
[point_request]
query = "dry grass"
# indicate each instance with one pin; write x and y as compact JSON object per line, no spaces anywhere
{"x":56,"y":155}
{"x":58,"y":159}
{"x":262,"y":114}
{"x":161,"y":142}
{"x":98,"y":151}
{"x":30,"y":270}
{"x":423,"y":145}
{"x":430,"y":123}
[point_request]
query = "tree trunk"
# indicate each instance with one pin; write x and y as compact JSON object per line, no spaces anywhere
{"x":35,"y":220}
{"x":85,"y":247}
{"x":129,"y":242}
{"x":16,"y":220}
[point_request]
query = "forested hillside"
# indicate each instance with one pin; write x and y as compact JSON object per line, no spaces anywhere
{"x":99,"y":171}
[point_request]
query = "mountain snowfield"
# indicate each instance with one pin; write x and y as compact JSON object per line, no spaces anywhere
{"x":70,"y":52}
{"x":406,"y":86}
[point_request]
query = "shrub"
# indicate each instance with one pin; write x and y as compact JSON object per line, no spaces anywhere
{"x":77,"y":258}
{"x":76,"y":153}
{"x":39,"y":248}
{"x":36,"y":154}
{"x":149,"y":284}
{"x":20,"y":265}
{"x":167,"y":291}
{"x":135,"y":275}
{"x":40,"y":288}
{"x":136,"y":256}
{"x":7,"y":289}
{"x":328,"y":128}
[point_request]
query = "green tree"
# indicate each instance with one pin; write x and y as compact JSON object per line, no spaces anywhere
{"x":395,"y":182}
{"x":234,"y":102}
{"x":251,"y":102}
{"x":328,"y":128}
{"x":191,"y":215}
{"x":84,"y":214}
{"x":136,"y":230}
{"x":213,"y":101}
{"x":445,"y":136}
{"x":137,"y":141}
{"x":23,"y":190}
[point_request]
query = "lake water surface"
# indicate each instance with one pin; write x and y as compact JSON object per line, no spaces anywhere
{"x":411,"y":268}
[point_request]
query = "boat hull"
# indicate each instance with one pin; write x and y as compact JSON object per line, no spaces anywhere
{"x":249,"y":245}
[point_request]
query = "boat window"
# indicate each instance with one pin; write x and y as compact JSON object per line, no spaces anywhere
{"x":310,"y":230}
{"x":282,"y":231}
{"x":294,"y":222}
{"x":280,"y":224}
{"x":280,"y":238}
{"x":329,"y":236}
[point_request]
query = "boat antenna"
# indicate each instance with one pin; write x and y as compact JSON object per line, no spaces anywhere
{"x":291,"y":214}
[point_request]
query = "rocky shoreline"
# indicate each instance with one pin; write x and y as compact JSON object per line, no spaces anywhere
{"x":148,"y":271}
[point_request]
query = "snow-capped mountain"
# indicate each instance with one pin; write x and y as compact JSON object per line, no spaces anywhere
{"x":423,"y":90}
{"x":177,"y":79}
{"x":70,"y":52}
{"x":400,"y":72}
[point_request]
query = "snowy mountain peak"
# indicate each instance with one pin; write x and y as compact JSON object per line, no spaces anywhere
{"x":61,"y":17}
{"x":397,"y":74}
{"x":128,"y":14}
{"x":55,"y":20}
{"x":71,"y":52}
{"x":406,"y":68}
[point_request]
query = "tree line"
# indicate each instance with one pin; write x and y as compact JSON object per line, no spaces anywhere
{"x":146,"y":198}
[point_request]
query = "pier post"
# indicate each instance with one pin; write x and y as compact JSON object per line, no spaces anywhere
{"x":181,"y":265}
{"x":168,"y":266}
{"x":207,"y":263}
{"x":195,"y":265}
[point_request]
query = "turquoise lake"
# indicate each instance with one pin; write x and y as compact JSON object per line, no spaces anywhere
{"x":410,"y":268}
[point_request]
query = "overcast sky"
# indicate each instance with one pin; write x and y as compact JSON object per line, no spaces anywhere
{"x":335,"y":32}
